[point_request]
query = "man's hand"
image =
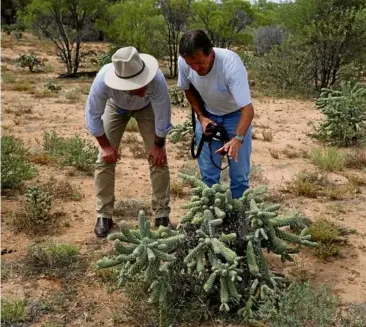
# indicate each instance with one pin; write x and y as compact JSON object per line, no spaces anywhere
{"x":157,"y":156}
{"x":110,"y":154}
{"x":231,"y":148}
{"x":204,"y":122}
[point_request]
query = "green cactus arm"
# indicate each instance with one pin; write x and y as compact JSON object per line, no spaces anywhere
{"x":226,"y":252}
{"x":152,"y":270}
{"x":164,"y":256}
{"x":224,"y":293}
{"x":233,"y":291}
{"x":144,"y":224}
{"x":200,"y":267}
{"x":284,"y":221}
{"x":219,"y":213}
{"x":251,"y":259}
{"x":121,"y":248}
{"x":254,"y":286}
{"x":173,"y":241}
{"x":154,"y":295}
{"x":193,"y":253}
{"x":227,"y":237}
{"x":163,"y":293}
{"x":210,"y":282}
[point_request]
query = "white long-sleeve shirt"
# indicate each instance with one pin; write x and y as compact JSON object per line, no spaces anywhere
{"x":157,"y":94}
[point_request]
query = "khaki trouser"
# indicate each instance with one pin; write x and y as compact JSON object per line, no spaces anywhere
{"x":114,"y":126}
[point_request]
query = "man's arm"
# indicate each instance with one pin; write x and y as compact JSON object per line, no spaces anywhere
{"x":94,"y":109}
{"x":247,"y":115}
{"x":160,"y":103}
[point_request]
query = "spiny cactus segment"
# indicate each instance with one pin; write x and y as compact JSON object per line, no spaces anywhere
{"x":142,"y":250}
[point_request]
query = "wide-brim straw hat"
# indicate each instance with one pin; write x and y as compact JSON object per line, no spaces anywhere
{"x":130,"y":70}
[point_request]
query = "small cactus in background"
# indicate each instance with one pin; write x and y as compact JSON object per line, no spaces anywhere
{"x":180,"y":131}
{"x":29,"y":60}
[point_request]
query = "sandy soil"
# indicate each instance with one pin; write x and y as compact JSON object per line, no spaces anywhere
{"x":287,"y":119}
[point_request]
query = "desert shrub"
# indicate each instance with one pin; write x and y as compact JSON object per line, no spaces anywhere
{"x":73,"y":95}
{"x":129,"y":208}
{"x":328,"y":236}
{"x":200,"y":260}
{"x":75,"y":151}
{"x":181,"y":132}
{"x":356,"y":159}
{"x":8,"y":78}
{"x":177,"y":188}
{"x":329,"y":159}
{"x":345,"y":115}
{"x":132,"y":126}
{"x":307,"y":184}
{"x":15,"y":164}
{"x":63,"y":190}
{"x":52,"y":257}
{"x":282,"y":70}
{"x":190,"y":169}
{"x":13,"y":311}
{"x":355,"y":316}
{"x":29,"y":61}
{"x":177,"y":97}
{"x":267,"y":135}
{"x":52,"y":86}
{"x":267,"y":37}
{"x":300,"y":305}
{"x":36,"y":217}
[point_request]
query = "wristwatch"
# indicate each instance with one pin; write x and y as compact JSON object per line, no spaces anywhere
{"x":239,"y":137}
{"x":160,"y":143}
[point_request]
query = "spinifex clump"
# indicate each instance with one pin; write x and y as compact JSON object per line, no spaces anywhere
{"x":219,"y":242}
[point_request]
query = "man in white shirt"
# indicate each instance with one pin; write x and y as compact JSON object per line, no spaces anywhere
{"x":131,"y":86}
{"x":221,"y":80}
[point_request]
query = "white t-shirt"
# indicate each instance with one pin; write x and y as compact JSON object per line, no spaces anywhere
{"x":225,"y":88}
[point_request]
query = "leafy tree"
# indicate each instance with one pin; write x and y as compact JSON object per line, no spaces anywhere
{"x":65,"y":23}
{"x":331,"y":32}
{"x":203,"y":16}
{"x":131,"y":23}
{"x":175,"y":14}
{"x":224,"y":23}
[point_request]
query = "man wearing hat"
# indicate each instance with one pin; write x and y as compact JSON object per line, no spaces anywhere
{"x":131,"y":86}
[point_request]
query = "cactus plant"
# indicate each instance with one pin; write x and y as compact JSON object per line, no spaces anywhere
{"x":220,"y":241}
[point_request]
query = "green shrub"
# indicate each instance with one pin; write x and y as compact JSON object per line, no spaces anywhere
{"x":300,"y":305}
{"x":8,"y":78}
{"x":75,"y":151}
{"x":282,"y":70}
{"x":329,"y":159}
{"x":52,"y":86}
{"x":345,"y":115}
{"x":36,"y":217}
{"x":15,"y":165}
{"x":13,"y":311}
{"x":327,"y":234}
{"x":355,"y":316}
{"x":53,"y":255}
{"x":29,"y":60}
{"x":73,"y":95}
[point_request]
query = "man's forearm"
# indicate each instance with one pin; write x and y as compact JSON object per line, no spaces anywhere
{"x":194,"y":101}
{"x":247,"y":114}
{"x":103,"y":141}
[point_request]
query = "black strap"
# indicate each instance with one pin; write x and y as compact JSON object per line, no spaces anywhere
{"x":204,"y":138}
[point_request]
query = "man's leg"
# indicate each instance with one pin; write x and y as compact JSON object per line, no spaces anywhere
{"x":239,"y":171}
{"x":160,"y":177}
{"x":104,"y":179}
{"x":208,"y":160}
